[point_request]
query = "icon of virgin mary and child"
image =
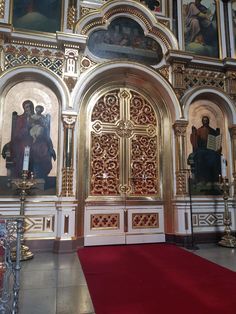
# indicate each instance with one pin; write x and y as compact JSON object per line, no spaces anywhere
{"x":32,"y":128}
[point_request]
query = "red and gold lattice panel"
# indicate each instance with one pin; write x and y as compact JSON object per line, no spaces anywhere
{"x":105,"y":221}
{"x":145,"y":220}
{"x":124,"y":145}
{"x":141,"y":112}
{"x":104,"y":164}
{"x":144,"y":165}
{"x":107,"y":108}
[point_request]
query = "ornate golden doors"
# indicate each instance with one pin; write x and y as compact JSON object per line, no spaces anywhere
{"x":124,"y":166}
{"x":124,"y":146}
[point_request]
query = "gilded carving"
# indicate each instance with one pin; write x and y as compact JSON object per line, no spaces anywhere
{"x":85,"y":11}
{"x":164,"y":71}
{"x":67,"y":182}
{"x":2,"y":9}
{"x":125,"y":128}
{"x":105,"y":221}
{"x":107,"y":109}
{"x":141,"y":112}
{"x":67,"y":170}
{"x":69,"y":121}
{"x":180,"y":128}
{"x":197,"y":77}
{"x":181,"y":185}
{"x":144,"y":174}
{"x":145,"y":221}
{"x":163,"y":38}
{"x":124,"y":120}
{"x":105,"y":165}
{"x":71,"y":15}
{"x":164,"y":22}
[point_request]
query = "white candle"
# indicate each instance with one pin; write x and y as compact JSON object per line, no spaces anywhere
{"x":26,"y":158}
{"x":223,"y":167}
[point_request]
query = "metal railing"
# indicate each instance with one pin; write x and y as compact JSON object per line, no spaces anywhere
{"x":11,"y":231}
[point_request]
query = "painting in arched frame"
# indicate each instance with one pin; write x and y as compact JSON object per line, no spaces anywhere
{"x":38,"y":131}
{"x":125,"y":39}
{"x":205,"y":147}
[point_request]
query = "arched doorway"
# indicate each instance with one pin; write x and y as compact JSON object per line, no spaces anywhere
{"x":123,"y":200}
{"x":125,"y":79}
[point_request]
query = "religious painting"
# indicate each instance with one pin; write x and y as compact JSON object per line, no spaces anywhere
{"x":35,"y":15}
{"x":201,"y":27}
{"x":125,"y":39}
{"x":206,"y":147}
{"x":29,"y":140}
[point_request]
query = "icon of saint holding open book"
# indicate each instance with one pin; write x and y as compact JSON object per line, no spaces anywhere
{"x":206,"y":156}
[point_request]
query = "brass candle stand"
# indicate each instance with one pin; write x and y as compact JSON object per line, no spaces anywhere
{"x":23,"y":185}
{"x":228,"y":240}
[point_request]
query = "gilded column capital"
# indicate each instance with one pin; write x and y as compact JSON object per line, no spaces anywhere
{"x":180,"y":128}
{"x":69,"y":120}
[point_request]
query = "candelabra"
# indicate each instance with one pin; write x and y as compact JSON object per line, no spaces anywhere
{"x":23,"y":185}
{"x":228,"y":240}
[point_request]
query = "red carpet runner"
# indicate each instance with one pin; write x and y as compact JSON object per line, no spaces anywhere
{"x":156,"y":278}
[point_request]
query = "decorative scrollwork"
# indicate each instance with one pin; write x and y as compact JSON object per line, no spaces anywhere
{"x":141,"y":112}
{"x":107,"y":108}
{"x":104,"y":164}
{"x":144,"y":165}
{"x":124,"y":120}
